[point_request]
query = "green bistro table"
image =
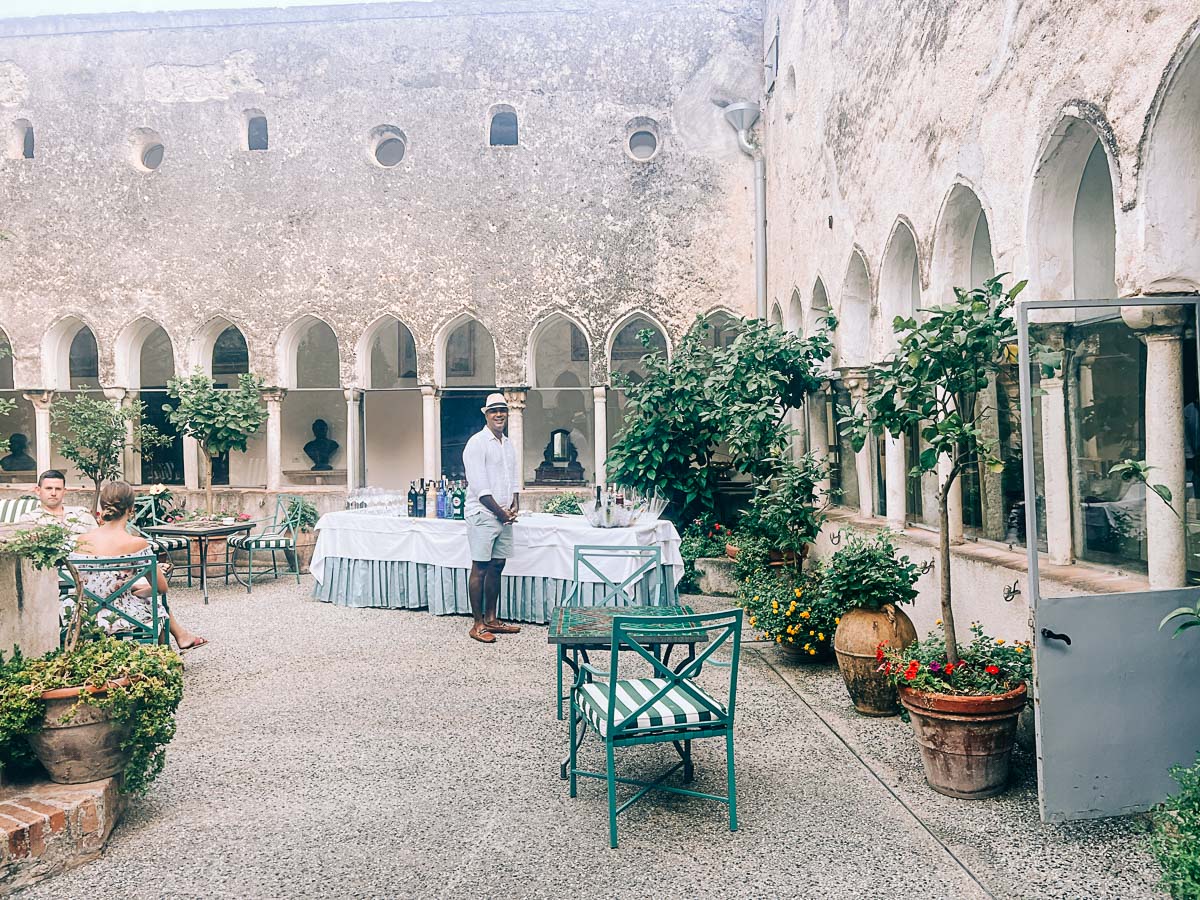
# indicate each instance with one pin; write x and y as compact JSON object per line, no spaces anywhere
{"x":202,"y":534}
{"x":576,"y":630}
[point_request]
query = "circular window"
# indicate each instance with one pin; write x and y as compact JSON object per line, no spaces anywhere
{"x":152,"y":156}
{"x":388,"y":146}
{"x":642,"y":139}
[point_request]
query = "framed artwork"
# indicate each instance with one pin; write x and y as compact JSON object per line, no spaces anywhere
{"x":460,"y":352}
{"x":579,"y":347}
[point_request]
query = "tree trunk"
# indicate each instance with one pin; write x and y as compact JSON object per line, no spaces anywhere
{"x":95,"y":497}
{"x":944,"y":558}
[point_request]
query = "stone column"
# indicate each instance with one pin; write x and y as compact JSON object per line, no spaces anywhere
{"x":354,"y":437}
{"x":516,"y":428}
{"x":119,"y":397}
{"x":856,"y":384}
{"x":896,"y":469}
{"x":600,"y":427}
{"x":273,"y":397}
{"x":818,"y":433}
{"x":191,"y":464}
{"x":430,"y":427}
{"x":1161,"y":329}
{"x":41,"y":400}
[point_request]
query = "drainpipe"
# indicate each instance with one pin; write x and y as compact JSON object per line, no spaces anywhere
{"x":742,"y":117}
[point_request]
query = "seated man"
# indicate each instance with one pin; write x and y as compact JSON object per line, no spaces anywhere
{"x":51,"y":489}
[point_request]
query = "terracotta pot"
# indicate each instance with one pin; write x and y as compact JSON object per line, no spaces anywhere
{"x":85,"y":748}
{"x":966,"y":742}
{"x":731,"y":551}
{"x":215,"y":551}
{"x":795,"y":653}
{"x":854,"y":642}
{"x":306,"y":543}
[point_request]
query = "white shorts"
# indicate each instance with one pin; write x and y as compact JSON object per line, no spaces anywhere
{"x":487,"y":538}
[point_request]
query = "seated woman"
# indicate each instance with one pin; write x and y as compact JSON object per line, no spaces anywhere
{"x":111,"y":540}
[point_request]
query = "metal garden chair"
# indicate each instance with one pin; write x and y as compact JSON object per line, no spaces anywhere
{"x":145,"y":512}
{"x":279,"y":535}
{"x":668,"y":706}
{"x":626,"y":592}
{"x":130,"y":570}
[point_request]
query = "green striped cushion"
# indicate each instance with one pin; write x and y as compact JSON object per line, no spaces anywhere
{"x":11,"y":510}
{"x":255,"y":542}
{"x":167,"y":544}
{"x":679,"y":706}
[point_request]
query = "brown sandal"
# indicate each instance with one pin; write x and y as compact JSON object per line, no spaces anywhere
{"x":502,"y":628}
{"x":481,"y":635}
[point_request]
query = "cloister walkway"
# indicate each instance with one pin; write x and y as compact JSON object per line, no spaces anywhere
{"x":327,"y":752}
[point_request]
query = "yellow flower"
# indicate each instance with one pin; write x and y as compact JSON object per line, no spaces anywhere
{"x":837,"y":620}
{"x":797,"y":592}
{"x":805,"y":614}
{"x":811,"y":633}
{"x":1019,"y":649}
{"x":791,"y":640}
{"x":806,"y":646}
{"x":812,"y":652}
{"x":938,"y":622}
{"x":756,"y":598}
{"x":999,"y":640}
{"x":752,"y":621}
{"x":821,"y":636}
{"x":779,"y":638}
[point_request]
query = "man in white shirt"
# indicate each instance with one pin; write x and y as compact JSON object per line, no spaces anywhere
{"x":51,"y":489}
{"x":490,"y":461}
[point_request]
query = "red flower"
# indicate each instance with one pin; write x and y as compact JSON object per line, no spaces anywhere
{"x":910,"y":675}
{"x":879,"y":651}
{"x":993,"y":670}
{"x":949,"y":668}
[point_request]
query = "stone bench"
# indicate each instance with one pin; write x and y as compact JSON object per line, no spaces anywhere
{"x":716,"y":576}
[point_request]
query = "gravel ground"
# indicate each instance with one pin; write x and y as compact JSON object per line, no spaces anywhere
{"x":328,"y":752}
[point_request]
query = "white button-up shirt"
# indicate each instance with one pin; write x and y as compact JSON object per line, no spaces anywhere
{"x":491,"y":466}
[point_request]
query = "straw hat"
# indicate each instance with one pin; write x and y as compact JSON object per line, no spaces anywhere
{"x":494,"y":401}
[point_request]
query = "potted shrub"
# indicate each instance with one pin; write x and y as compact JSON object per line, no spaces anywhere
{"x":793,"y":610}
{"x":933,"y":384}
{"x":873,"y":581}
{"x":700,"y":541}
{"x":97,"y":707}
{"x":963,"y":713}
{"x":787,"y":509}
{"x":304,"y":516}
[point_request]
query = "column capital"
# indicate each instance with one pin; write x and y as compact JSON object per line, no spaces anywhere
{"x":855,"y":381}
{"x":115,"y":394}
{"x":515,"y":396}
{"x":39,"y":398}
{"x":1164,"y":322}
{"x":600,"y":392}
{"x":352,"y":394}
{"x":429,"y":390}
{"x":273,"y":394}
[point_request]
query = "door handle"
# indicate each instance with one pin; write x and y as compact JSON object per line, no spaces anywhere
{"x":1055,"y":636}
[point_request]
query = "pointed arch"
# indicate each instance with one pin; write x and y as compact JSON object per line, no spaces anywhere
{"x":854,"y":323}
{"x":219,"y":336}
{"x":559,"y":347}
{"x":623,"y":329}
{"x":899,"y":280}
{"x":723,"y":326}
{"x":776,"y":317}
{"x":795,"y":314}
{"x":962,"y":244}
{"x":465,"y":353}
{"x":70,"y":354}
{"x":1170,"y":181}
{"x":307,"y":354}
{"x":138,"y":338}
{"x":386,"y":355}
{"x":1071,"y":229}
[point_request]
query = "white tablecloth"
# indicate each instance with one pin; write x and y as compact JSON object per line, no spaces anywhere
{"x":543,"y":545}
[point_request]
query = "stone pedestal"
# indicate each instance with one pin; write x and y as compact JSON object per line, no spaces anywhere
{"x":29,"y":607}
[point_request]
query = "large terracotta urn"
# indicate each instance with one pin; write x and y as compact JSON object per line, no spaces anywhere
{"x":83,"y":746}
{"x":855,"y":641}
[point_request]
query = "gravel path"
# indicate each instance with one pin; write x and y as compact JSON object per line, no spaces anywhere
{"x":328,"y":752}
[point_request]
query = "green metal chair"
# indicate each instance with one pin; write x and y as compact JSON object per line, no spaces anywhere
{"x":145,"y":513}
{"x":130,"y":569}
{"x":667,"y":706}
{"x":590,"y":557}
{"x":279,"y":535}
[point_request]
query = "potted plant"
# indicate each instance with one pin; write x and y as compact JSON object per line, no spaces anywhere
{"x":873,"y":580}
{"x":219,"y":419}
{"x":304,"y":516}
{"x":963,"y":713}
{"x":787,"y":509}
{"x":93,"y":434}
{"x":793,"y":610}
{"x":933,"y":384}
{"x":95,"y":708}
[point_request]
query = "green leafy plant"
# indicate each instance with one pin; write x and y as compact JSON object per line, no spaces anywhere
{"x":219,"y":419}
{"x":1176,"y":838}
{"x":700,"y":540}
{"x":986,"y":666}
{"x":788,"y":507}
{"x":563,"y":505}
{"x":1139,"y":470}
{"x":303,"y":513}
{"x":932,"y":383}
{"x":702,"y":397}
{"x":145,"y":705}
{"x":792,"y":609}
{"x":45,"y":546}
{"x":1189,"y":614}
{"x":94,"y":433}
{"x":868,"y":572}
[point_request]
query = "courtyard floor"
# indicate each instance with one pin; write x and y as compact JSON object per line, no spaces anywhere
{"x":329,"y":752}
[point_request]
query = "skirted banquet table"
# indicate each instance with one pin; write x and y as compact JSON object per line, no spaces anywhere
{"x":368,"y":558}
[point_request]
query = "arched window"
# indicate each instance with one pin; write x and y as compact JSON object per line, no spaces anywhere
{"x":502,"y":130}
{"x":854,"y":326}
{"x":313,"y":435}
{"x":393,"y":420}
{"x":20,"y":141}
{"x":723,"y":329}
{"x":776,"y":315}
{"x":559,"y":413}
{"x":625,"y":356}
{"x":84,"y":361}
{"x":230,"y":357}
{"x":795,"y":316}
{"x":156,"y":366}
{"x":468,"y":370}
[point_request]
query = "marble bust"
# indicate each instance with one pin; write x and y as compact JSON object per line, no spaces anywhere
{"x":18,"y":458}
{"x":321,"y":448}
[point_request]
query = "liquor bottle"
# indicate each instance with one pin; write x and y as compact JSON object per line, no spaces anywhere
{"x":458,"y":500}
{"x":441,"y":498}
{"x":419,"y":500}
{"x":431,"y":500}
{"x":412,"y":500}
{"x":596,"y":508}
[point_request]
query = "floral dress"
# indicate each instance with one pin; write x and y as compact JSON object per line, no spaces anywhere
{"x":103,"y":584}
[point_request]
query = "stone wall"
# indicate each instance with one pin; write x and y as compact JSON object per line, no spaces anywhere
{"x":28,"y":608}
